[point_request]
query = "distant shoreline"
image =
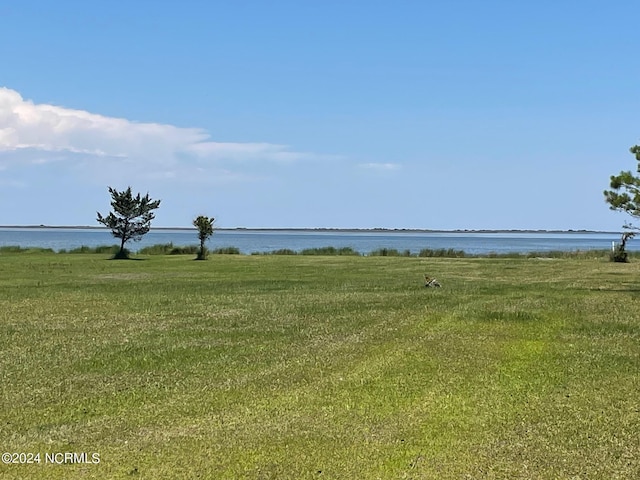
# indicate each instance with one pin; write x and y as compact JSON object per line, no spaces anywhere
{"x":336,"y":230}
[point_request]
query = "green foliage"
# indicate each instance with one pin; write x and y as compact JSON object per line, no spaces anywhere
{"x":282,"y":251}
{"x":17,"y":249}
{"x":389,"y":252}
{"x":171,"y":249}
{"x":384,"y":252}
{"x":619,"y":255}
{"x":157,"y":249}
{"x":121,"y":254}
{"x":226,"y":251}
{"x":131,"y":217}
{"x":329,"y":251}
{"x":113,"y":249}
{"x":82,"y":249}
{"x":106,"y":249}
{"x":168,"y":249}
{"x":185,"y":250}
{"x":12,"y":249}
{"x":442,"y":253}
{"x":550,"y":254}
{"x":205,"y":230}
{"x":624,"y":196}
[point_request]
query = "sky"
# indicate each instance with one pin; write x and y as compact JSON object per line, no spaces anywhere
{"x":443,"y":114}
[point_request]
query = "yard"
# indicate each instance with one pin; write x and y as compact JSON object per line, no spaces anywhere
{"x":318,"y":367}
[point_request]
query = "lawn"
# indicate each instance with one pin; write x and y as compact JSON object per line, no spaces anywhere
{"x":304,"y":367}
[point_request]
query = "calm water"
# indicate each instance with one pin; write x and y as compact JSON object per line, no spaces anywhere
{"x":364,"y":242}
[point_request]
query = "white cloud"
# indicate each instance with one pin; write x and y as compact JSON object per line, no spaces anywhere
{"x":380,"y":166}
{"x":249,"y":151}
{"x":40,"y":133}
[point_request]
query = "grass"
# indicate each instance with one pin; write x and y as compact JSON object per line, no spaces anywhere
{"x":390,"y":252}
{"x":112,"y":249}
{"x":171,"y":249}
{"x":299,"y":367}
{"x":329,"y":251}
{"x":10,"y":249}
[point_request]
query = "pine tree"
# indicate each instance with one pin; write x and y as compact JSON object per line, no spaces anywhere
{"x":624,"y":196}
{"x":205,"y":230}
{"x":131,"y":217}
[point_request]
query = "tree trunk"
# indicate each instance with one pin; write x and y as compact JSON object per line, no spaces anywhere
{"x":121,"y":253}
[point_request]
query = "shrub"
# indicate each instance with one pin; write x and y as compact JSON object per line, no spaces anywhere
{"x":329,"y":251}
{"x":82,"y":249}
{"x":171,"y":249}
{"x":226,"y":251}
{"x":584,"y":254}
{"x":39,"y":250}
{"x":108,"y":249}
{"x":619,"y":254}
{"x":12,"y":249}
{"x":122,"y":254}
{"x":443,"y":253}
{"x":18,"y":249}
{"x":157,"y":249}
{"x":283,"y":251}
{"x":187,"y":250}
{"x":390,"y":252}
{"x":99,"y":249}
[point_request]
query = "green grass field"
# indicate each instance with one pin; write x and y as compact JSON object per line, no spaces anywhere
{"x":294,"y":367}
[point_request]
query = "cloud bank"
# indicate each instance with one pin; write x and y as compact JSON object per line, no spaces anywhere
{"x":36,"y":134}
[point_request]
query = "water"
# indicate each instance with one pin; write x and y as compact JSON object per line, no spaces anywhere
{"x":249,"y":241}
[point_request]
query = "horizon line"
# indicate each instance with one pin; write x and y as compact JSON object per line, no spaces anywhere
{"x":337,"y":229}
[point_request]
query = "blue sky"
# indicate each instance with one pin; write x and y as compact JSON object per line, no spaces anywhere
{"x":345,"y":114}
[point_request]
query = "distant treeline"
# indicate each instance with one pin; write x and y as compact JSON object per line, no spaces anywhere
{"x":170,"y":249}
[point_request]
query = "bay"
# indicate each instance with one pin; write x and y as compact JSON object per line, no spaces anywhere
{"x":258,"y":241}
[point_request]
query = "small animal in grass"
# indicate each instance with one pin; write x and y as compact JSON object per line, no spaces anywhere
{"x":431,"y":282}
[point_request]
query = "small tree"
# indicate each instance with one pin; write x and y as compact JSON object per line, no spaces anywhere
{"x":619,"y":252}
{"x":131,"y":217}
{"x":624,"y":196}
{"x":205,"y":230}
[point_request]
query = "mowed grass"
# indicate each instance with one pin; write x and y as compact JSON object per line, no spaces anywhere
{"x":320,"y":367}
